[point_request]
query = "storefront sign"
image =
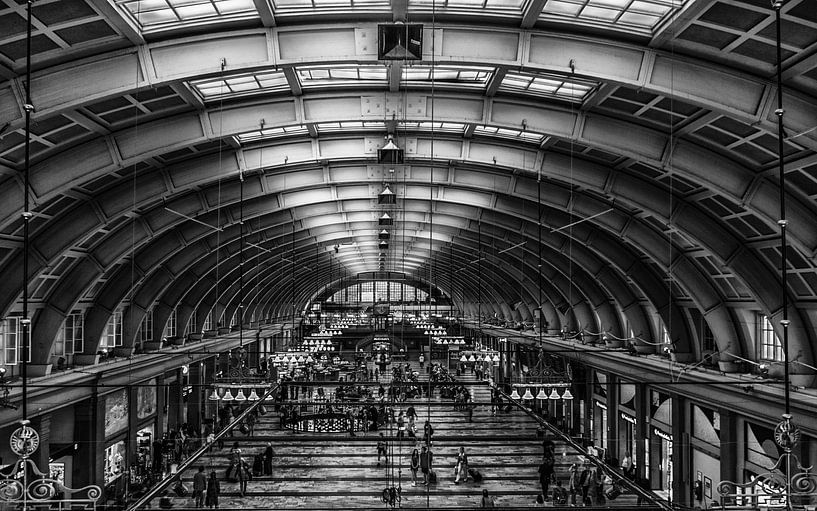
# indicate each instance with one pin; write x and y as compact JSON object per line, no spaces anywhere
{"x":186,"y":390}
{"x":116,"y":412}
{"x":146,"y":399}
{"x":660,"y":434}
{"x":628,"y":418}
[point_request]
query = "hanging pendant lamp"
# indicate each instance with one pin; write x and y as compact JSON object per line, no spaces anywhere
{"x":240,"y":396}
{"x":527,"y":396}
{"x":253,"y":396}
{"x":514,"y":394}
{"x":567,"y":395}
{"x":554,"y":395}
{"x":542,"y":394}
{"x":214,"y":396}
{"x":228,"y":395}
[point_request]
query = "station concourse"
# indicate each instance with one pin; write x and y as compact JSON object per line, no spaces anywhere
{"x":575,"y":236}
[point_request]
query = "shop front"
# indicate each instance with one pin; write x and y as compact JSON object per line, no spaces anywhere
{"x":660,"y":443}
{"x":115,"y":455}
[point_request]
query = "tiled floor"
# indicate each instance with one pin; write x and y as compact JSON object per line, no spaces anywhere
{"x":336,"y":471}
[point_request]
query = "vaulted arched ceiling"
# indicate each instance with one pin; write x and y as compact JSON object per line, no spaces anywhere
{"x":627,"y":153}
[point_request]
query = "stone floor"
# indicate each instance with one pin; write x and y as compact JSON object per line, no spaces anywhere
{"x":336,"y":471}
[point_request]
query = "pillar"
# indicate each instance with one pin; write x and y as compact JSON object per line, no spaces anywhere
{"x":612,"y":417}
{"x":730,"y":442}
{"x":175,"y":411}
{"x":195,"y":379}
{"x":42,"y":424}
{"x":681,"y":489}
{"x":89,"y":433}
{"x":642,"y":428}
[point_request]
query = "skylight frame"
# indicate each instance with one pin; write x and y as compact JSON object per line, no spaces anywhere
{"x":237,"y":85}
{"x":158,"y":15}
{"x":320,"y":7}
{"x":641,"y":16}
{"x":530,"y":137}
{"x":342,"y":75}
{"x":426,"y":126}
{"x":341,"y":126}
{"x":271,"y":133}
{"x":545,"y":85}
{"x":472,"y":7}
{"x":476,"y":77}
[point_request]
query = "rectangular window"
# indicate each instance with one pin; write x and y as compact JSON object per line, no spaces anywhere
{"x":170,"y":326}
{"x":208,"y":322}
{"x":112,"y":336}
{"x":707,"y":338}
{"x":191,"y":324}
{"x":146,"y":327}
{"x":10,"y":333}
{"x":770,"y":346}
{"x":72,"y":330}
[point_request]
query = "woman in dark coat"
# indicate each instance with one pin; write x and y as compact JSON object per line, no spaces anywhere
{"x":268,"y":454}
{"x":213,"y":489}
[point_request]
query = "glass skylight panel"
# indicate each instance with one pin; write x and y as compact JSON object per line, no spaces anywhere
{"x":450,"y":127}
{"x":526,"y":136}
{"x":322,"y":6}
{"x":476,"y":6}
{"x":634,"y":15}
{"x":324,"y":127}
{"x":240,"y":85}
{"x":268,"y":133}
{"x":548,"y":85}
{"x":335,"y":76}
{"x":153,"y":15}
{"x":447,"y":76}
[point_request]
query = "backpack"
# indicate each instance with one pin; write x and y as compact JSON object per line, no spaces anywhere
{"x":475,"y":474}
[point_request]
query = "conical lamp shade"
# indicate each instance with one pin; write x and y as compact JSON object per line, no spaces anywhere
{"x":228,"y":395}
{"x":514,"y":394}
{"x":541,"y":394}
{"x":527,"y":396}
{"x":567,"y":396}
{"x":240,"y":396}
{"x":253,"y":396}
{"x":472,"y":358}
{"x":463,"y":358}
{"x":554,"y":395}
{"x":496,"y":358}
{"x":214,"y":396}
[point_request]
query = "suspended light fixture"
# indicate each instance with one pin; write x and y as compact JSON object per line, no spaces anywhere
{"x":385,"y":219}
{"x":567,"y":395}
{"x":390,"y":153}
{"x":496,"y":358}
{"x":240,"y":396}
{"x":463,"y":358}
{"x":383,"y":234}
{"x":253,"y":396}
{"x":541,"y":394}
{"x":554,"y":395}
{"x":383,"y":245}
{"x":214,"y":396}
{"x":228,"y":395}
{"x":514,"y":394}
{"x":527,"y":396}
{"x":309,"y":359}
{"x":472,"y":358}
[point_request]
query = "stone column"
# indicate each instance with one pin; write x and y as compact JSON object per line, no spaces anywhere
{"x":730,"y":443}
{"x":42,"y":424}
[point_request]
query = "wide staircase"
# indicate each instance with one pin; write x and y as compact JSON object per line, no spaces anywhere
{"x":336,"y":470}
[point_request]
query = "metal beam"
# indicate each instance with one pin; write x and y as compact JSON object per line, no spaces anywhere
{"x":115,"y":17}
{"x":531,"y":12}
{"x":264,"y":9}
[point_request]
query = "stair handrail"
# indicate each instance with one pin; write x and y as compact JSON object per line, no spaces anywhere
{"x":166,"y":482}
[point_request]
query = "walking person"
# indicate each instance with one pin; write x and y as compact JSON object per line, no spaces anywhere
{"x":199,"y":487}
{"x":381,"y":449}
{"x":546,"y":472}
{"x":415,"y":465}
{"x":244,"y":475}
{"x":573,"y":483}
{"x":487,"y":500}
{"x":235,"y":460}
{"x":268,"y":454}
{"x":627,"y":464}
{"x":461,"y":468}
{"x":427,"y":432}
{"x":213,"y":489}
{"x":426,"y":459}
{"x":401,"y":425}
{"x":422,"y":360}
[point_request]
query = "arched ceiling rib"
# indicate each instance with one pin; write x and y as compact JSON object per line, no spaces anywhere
{"x":678,"y":146}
